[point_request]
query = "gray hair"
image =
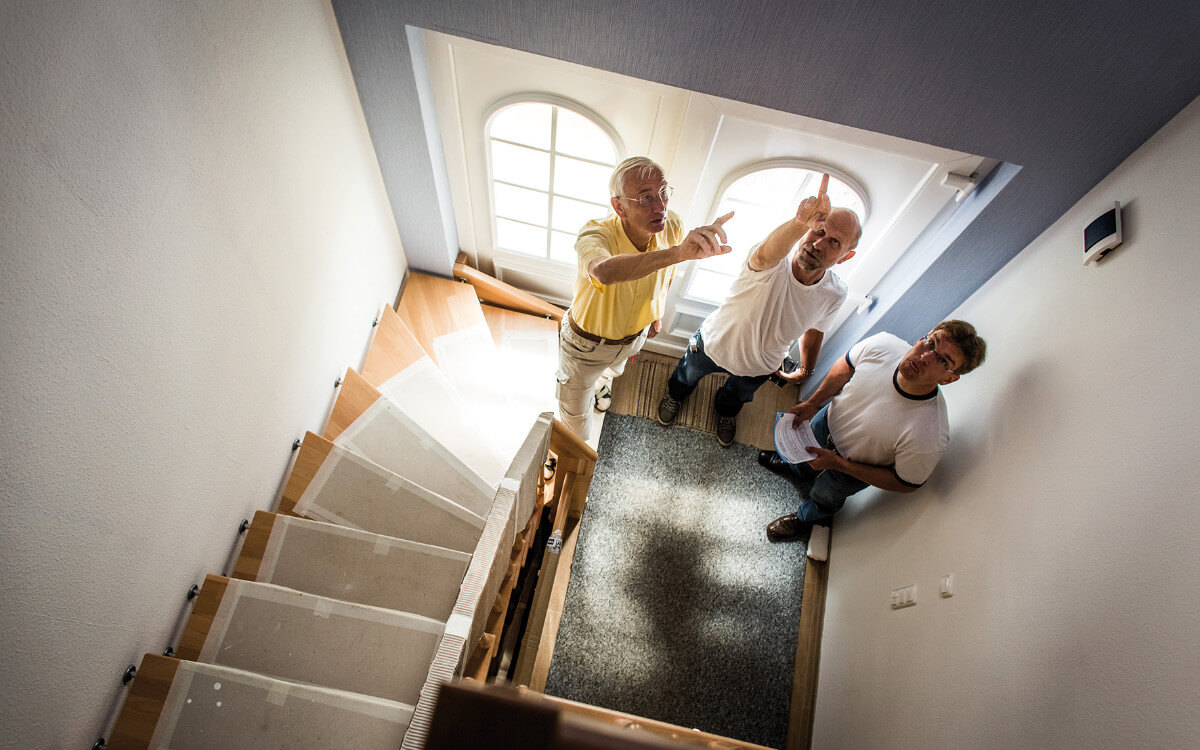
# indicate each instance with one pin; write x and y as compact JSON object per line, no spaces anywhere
{"x":642,"y":167}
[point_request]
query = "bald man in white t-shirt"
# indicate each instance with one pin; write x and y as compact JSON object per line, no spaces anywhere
{"x":885,"y":427}
{"x":779,"y":296}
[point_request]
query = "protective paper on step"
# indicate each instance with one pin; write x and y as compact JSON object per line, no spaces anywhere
{"x":300,"y":637}
{"x":483,"y":578}
{"x":529,"y":361}
{"x":278,"y":693}
{"x":247,"y":712}
{"x":385,"y":435}
{"x":469,"y":359}
{"x":426,"y":395}
{"x":350,"y":490}
{"x":341,"y":563}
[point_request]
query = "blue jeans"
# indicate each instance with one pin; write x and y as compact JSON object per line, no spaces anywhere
{"x":829,"y":488}
{"x":737,"y":391}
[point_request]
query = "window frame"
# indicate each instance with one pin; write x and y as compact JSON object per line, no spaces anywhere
{"x":787,"y":162}
{"x":538,"y":97}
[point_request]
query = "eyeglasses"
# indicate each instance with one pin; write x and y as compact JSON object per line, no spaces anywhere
{"x":929,"y":345}
{"x":647,"y":200}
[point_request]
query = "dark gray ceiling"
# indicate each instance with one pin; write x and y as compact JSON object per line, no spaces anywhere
{"x":1064,"y":90}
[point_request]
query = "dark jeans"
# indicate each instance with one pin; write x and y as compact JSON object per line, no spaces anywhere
{"x":829,"y":488}
{"x":737,"y":391}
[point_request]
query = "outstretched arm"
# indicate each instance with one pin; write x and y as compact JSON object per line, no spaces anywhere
{"x":701,"y":242}
{"x":785,"y":236}
{"x":832,"y":385}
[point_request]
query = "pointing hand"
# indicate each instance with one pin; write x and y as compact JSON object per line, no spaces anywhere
{"x":815,"y":208}
{"x":705,"y":242}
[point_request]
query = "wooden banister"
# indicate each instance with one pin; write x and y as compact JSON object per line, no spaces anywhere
{"x":564,"y":442}
{"x":496,"y":292}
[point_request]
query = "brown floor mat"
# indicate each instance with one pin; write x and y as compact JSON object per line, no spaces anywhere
{"x":638,"y":391}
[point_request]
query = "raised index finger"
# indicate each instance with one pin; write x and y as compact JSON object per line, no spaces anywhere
{"x":722,"y":219}
{"x":824,"y":186}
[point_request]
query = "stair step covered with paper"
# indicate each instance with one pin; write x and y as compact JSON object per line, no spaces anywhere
{"x":291,"y":635}
{"x":374,"y":427}
{"x":186,"y":705}
{"x":351,"y":565}
{"x":334,"y":484}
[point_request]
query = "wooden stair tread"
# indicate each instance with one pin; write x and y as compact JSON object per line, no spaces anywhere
{"x":382,"y":502}
{"x":433,"y":307}
{"x":302,"y":637}
{"x":393,"y":348}
{"x":351,"y":565}
{"x":207,"y":705}
{"x":503,"y":322}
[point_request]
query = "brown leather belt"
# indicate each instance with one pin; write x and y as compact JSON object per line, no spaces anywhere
{"x":599,"y":340}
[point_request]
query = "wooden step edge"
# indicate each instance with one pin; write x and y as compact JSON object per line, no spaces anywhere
{"x":204,"y":611}
{"x":393,"y":348}
{"x":254,"y":547}
{"x":314,"y":450}
{"x":495,"y":292}
{"x":354,"y":397}
{"x":143,"y":704}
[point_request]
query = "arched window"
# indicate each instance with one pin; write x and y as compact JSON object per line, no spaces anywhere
{"x":550,"y":165}
{"x":763,"y":196}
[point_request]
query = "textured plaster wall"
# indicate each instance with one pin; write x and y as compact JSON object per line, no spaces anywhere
{"x":195,"y":238}
{"x":1066,"y":507}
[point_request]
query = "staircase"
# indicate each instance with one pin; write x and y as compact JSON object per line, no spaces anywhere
{"x":417,"y":542}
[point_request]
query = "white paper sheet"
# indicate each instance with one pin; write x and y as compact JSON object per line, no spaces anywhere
{"x":791,"y":443}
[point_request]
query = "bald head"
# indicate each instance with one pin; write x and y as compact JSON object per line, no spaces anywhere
{"x":846,"y":223}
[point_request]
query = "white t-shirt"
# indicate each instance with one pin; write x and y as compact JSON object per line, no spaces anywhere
{"x":873,"y":422}
{"x":749,"y":334}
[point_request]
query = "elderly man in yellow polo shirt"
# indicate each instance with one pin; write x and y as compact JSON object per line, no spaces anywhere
{"x":626,"y":263}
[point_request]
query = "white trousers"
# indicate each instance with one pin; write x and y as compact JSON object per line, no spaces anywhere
{"x":580,"y":365}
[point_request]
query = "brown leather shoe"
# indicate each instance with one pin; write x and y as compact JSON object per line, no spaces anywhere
{"x":788,"y":529}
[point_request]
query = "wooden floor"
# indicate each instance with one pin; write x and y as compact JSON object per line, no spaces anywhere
{"x":644,"y":383}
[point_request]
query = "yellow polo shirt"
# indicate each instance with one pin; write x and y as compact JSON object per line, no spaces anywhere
{"x":615,"y":311}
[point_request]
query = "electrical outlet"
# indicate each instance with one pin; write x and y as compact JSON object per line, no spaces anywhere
{"x":905,"y":597}
{"x":946,"y":587}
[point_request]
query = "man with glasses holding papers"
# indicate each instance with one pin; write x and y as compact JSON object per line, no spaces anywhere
{"x":885,"y":427}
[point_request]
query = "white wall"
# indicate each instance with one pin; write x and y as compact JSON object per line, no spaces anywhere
{"x":195,"y":240}
{"x":1066,"y":506}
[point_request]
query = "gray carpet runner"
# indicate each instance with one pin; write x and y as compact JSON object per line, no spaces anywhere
{"x":678,"y":608}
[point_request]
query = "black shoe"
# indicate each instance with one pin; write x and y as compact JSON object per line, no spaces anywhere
{"x":668,"y":409}
{"x":788,"y":528}
{"x":798,"y":474}
{"x":726,"y":429}
{"x":772,"y":461}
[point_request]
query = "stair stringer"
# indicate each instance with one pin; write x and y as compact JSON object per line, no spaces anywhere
{"x":515,"y":500}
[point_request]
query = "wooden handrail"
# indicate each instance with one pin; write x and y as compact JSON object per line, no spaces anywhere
{"x":496,"y":292}
{"x":564,"y":442}
{"x":683,"y":735}
{"x":501,"y":716}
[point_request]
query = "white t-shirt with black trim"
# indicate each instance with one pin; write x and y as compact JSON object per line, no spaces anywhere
{"x":750,"y":333}
{"x":873,"y":422}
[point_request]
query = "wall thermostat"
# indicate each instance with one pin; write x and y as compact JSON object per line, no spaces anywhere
{"x":1102,"y":235}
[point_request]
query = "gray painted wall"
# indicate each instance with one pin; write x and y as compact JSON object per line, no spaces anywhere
{"x":1065,"y":90}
